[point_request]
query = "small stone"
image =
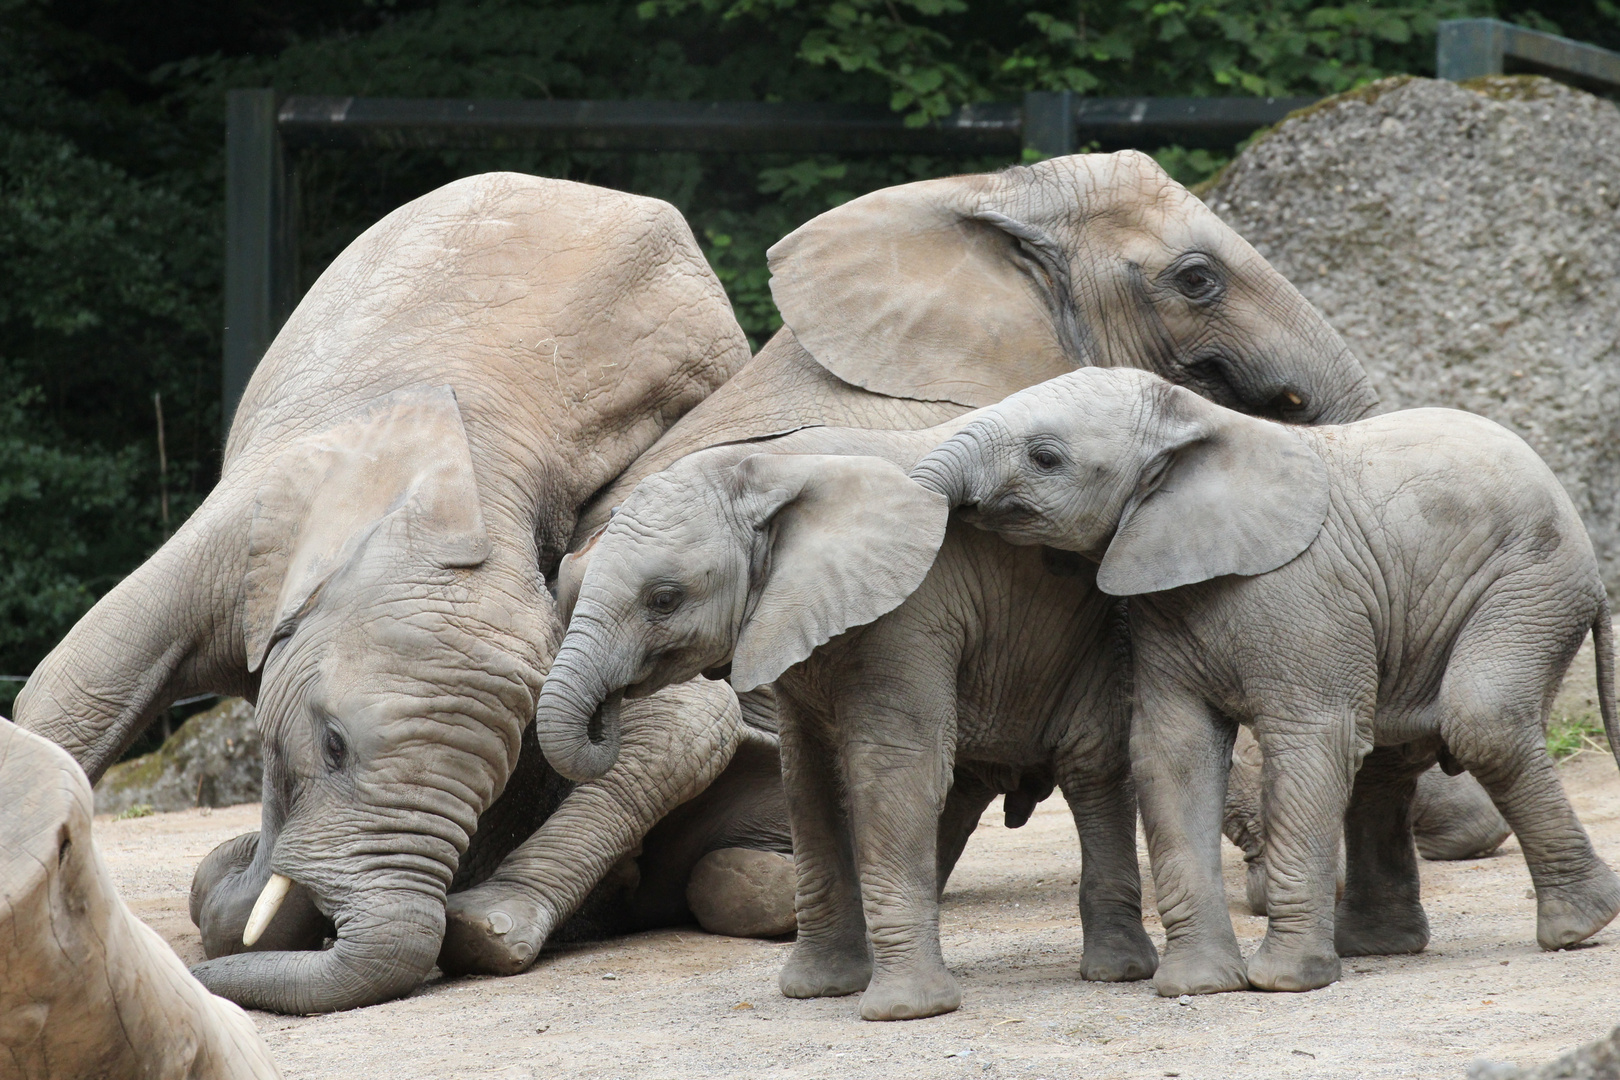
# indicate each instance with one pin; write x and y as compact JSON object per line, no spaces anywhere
{"x":610,"y":976}
{"x":1184,"y":999}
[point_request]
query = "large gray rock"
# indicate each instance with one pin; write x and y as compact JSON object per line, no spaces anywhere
{"x":213,"y":760}
{"x":1599,"y":1060}
{"x":1465,"y":240}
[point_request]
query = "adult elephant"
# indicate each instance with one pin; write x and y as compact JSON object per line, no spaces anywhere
{"x":909,"y":306}
{"x":408,"y":459}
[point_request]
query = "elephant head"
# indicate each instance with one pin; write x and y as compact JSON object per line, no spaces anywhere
{"x":730,"y":568}
{"x":379,"y":624}
{"x":968,"y":288}
{"x":1159,"y":486}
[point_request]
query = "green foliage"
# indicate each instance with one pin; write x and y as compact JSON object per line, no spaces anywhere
{"x":111,"y":176}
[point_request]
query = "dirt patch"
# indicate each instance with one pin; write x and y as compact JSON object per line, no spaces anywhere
{"x":680,"y":1003}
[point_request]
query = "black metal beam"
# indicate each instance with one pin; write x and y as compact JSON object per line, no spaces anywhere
{"x":713,"y":127}
{"x":763,"y":127}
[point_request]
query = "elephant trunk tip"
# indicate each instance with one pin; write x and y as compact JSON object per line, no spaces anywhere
{"x":581,"y":745}
{"x":941,"y":472}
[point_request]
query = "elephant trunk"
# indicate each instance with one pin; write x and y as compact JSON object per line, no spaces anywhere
{"x":387,"y":942}
{"x":224,"y":890}
{"x":577,"y":716}
{"x":946,"y":469}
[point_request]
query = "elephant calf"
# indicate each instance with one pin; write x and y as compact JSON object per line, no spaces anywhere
{"x":910,"y":689}
{"x":1368,"y":598}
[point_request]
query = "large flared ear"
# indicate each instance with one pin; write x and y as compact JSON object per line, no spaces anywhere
{"x":1237,"y":495}
{"x":944,"y":290}
{"x":848,"y":539}
{"x":403,"y":454}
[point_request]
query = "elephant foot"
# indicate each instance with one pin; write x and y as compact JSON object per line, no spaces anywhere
{"x":1187,"y":971}
{"x":493,"y":929}
{"x":911,"y":997}
{"x":1453,"y":818}
{"x":1123,"y":955}
{"x":740,"y":892}
{"x":1292,"y":968}
{"x":1382,"y":931}
{"x":1567,"y":914}
{"x":819,"y":971}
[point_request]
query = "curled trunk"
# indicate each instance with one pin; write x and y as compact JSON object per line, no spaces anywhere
{"x":387,"y":942}
{"x":577,"y":716}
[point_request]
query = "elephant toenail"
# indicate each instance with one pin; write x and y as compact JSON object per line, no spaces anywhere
{"x":500,"y":922}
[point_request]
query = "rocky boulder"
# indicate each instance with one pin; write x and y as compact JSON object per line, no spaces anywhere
{"x":1464,"y":239}
{"x":213,"y":760}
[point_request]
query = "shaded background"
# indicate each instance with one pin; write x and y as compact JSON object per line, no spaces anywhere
{"x":112,"y":179}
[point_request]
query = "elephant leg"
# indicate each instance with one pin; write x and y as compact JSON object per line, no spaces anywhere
{"x":1305,"y":784}
{"x":673,"y":745}
{"x":964,"y":805}
{"x":1453,"y":818}
{"x":1180,"y":754}
{"x":168,"y":630}
{"x":897,"y":791}
{"x":724,"y":857}
{"x":1494,"y":701}
{"x":831,"y":956}
{"x":1242,"y":822}
{"x":1096,"y":781}
{"x":1380,"y":912}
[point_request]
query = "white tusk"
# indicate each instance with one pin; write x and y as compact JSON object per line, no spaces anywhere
{"x":265,"y":908}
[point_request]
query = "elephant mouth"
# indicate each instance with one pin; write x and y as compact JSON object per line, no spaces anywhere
{"x":1002,"y":515}
{"x":605,"y":719}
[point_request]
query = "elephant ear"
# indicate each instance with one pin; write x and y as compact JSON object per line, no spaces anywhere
{"x":849,"y":538}
{"x":403,"y":454}
{"x":1236,"y":495}
{"x":942,"y":290}
{"x":571,"y":571}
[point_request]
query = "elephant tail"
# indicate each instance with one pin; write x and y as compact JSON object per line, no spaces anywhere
{"x":1603,"y":650}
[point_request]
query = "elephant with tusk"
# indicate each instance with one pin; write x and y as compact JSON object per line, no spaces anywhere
{"x":405,"y":466}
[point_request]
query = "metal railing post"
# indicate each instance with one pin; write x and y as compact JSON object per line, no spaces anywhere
{"x":260,"y":246}
{"x":1049,"y":122}
{"x":1469,"y":48}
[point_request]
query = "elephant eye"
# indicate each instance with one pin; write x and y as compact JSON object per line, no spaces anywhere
{"x":1197,"y":281}
{"x":1044,"y":458}
{"x":665,"y":599}
{"x":336,"y":749}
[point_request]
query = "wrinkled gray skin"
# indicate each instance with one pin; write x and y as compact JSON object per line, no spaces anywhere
{"x":1368,"y":598}
{"x":89,"y":989}
{"x":908,"y":306}
{"x":1452,"y":818}
{"x":996,"y":675}
{"x":409,"y":456}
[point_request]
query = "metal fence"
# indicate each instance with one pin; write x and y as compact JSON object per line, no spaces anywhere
{"x":263,"y":129}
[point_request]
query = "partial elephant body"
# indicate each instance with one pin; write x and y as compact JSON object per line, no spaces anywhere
{"x":910,"y":305}
{"x":407,"y":461}
{"x":1368,"y":598}
{"x":89,"y":989}
{"x":998,"y":674}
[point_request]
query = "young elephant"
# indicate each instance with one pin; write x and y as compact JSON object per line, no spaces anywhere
{"x":911,"y":689}
{"x":1371,"y":597}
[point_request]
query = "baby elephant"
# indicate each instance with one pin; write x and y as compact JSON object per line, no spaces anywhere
{"x":1368,"y":598}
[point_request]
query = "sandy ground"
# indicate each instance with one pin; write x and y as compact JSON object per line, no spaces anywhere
{"x":680,"y":1003}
